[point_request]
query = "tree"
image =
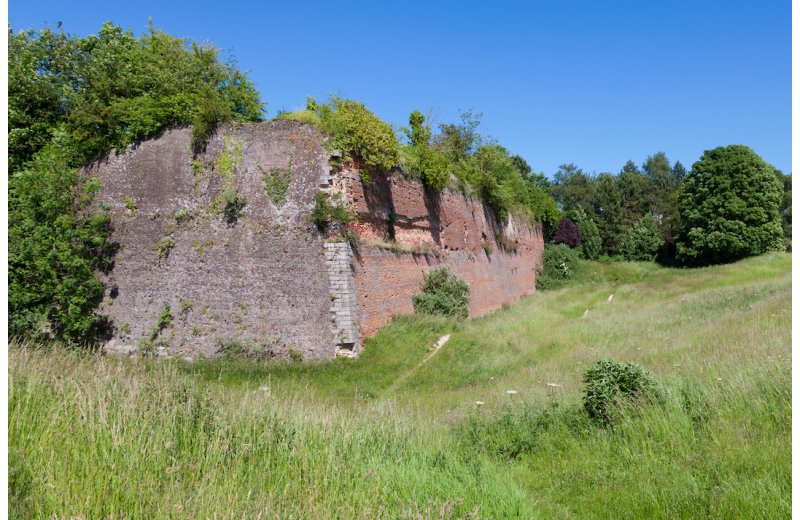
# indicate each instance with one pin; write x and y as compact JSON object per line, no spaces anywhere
{"x":571,"y":187}
{"x":634,"y":187}
{"x":662,"y":187}
{"x":591,"y":243}
{"x":785,"y":209}
{"x":608,"y":212}
{"x":642,"y":242}
{"x":728,"y":207}
{"x":567,"y":233}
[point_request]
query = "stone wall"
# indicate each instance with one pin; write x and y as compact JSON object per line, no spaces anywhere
{"x":262,"y":281}
{"x":269,"y":280}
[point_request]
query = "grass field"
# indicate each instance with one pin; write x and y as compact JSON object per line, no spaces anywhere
{"x":387,"y":436}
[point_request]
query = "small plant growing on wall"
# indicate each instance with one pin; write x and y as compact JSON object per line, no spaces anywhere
{"x":443,"y":293}
{"x":148,"y":346}
{"x":130,"y":205}
{"x":276,"y":182}
{"x":164,"y":247}
{"x":329,"y":210}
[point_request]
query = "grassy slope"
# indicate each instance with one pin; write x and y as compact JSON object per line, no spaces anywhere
{"x":95,"y":437}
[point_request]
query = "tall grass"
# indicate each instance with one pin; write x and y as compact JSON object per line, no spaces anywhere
{"x":386,"y":437}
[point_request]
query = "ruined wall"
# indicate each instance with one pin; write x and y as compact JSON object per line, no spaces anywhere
{"x":261,"y":280}
{"x":497,"y":260}
{"x":269,"y":279}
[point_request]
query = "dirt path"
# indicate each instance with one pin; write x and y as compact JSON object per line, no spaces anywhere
{"x":434,"y":349}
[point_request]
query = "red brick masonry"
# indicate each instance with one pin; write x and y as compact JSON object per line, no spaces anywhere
{"x":456,"y":227}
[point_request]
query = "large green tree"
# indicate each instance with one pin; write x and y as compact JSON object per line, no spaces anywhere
{"x":70,"y":99}
{"x":728,"y":207}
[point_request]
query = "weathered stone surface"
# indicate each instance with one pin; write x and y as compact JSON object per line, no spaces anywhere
{"x":262,"y":279}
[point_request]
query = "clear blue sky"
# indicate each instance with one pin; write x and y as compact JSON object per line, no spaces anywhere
{"x":594,"y":83}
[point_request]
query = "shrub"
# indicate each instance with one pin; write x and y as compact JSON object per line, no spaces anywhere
{"x":419,"y":157}
{"x":443,"y":293}
{"x":567,"y":233}
{"x":642,"y":242}
{"x":427,"y":164}
{"x":591,"y":244}
{"x":358,"y":131}
{"x":559,"y":264}
{"x":610,"y":383}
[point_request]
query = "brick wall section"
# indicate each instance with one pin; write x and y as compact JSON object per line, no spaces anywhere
{"x":458,"y":228}
{"x":261,"y":280}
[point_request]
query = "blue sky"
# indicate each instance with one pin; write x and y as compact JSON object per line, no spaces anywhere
{"x":593,"y":83}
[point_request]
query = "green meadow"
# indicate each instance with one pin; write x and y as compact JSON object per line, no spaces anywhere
{"x":490,"y":425}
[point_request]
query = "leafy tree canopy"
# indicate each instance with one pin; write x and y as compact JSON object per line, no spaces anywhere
{"x":729,"y":207}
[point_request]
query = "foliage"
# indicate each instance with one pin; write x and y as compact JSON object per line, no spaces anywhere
{"x":541,"y":204}
{"x":229,"y":202}
{"x":255,"y":350}
{"x":55,"y":246}
{"x":443,"y":294}
{"x":459,"y":141}
{"x":357,"y":131}
{"x":276,"y":183}
{"x":642,"y":242}
{"x":130,"y":204}
{"x":164,"y":246}
{"x":306,"y":116}
{"x":785,"y":209}
{"x":329,"y":210}
{"x":233,"y":206}
{"x":420,"y":159}
{"x":610,"y":383}
{"x":567,"y":233}
{"x":182,"y":215}
{"x":516,"y":431}
{"x":71,"y":99}
{"x":148,"y":346}
{"x":591,"y":244}
{"x":728,"y":207}
{"x":560,"y":263}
